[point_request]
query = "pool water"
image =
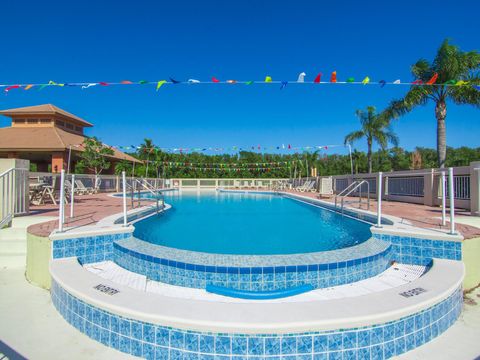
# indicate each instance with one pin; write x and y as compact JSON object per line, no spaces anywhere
{"x":248,"y":224}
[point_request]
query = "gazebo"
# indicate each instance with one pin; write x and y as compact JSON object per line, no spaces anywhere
{"x":51,"y":138}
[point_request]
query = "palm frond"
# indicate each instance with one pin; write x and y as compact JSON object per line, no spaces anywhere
{"x":353,"y":136}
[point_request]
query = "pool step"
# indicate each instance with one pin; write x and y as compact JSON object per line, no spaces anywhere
{"x":111,"y":271}
{"x":395,"y":276}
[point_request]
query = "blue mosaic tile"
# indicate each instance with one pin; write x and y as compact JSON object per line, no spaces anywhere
{"x":151,"y":341}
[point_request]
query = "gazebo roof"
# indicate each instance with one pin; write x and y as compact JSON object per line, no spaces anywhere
{"x":45,"y":109}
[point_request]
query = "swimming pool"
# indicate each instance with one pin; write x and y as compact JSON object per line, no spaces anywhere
{"x":249,"y":224}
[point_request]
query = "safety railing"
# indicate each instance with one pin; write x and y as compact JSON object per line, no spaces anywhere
{"x":14,"y":195}
{"x":356,"y":186}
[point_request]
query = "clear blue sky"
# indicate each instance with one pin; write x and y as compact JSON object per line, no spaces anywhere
{"x":114,"y":40}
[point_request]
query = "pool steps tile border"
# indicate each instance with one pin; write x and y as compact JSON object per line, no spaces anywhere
{"x":153,"y":341}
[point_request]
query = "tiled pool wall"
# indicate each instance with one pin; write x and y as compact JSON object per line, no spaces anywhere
{"x":251,"y":278}
{"x":150,"y":341}
{"x":411,"y":250}
{"x":88,"y":249}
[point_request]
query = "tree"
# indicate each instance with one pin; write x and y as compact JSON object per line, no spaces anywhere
{"x":94,"y":156}
{"x":449,"y":77}
{"x":374,"y":128}
{"x":145,"y":150}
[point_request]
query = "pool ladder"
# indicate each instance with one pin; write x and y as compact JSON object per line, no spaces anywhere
{"x":354,"y":186}
{"x":156,"y":192}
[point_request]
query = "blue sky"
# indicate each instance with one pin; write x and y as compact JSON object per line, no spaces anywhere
{"x":245,"y":40}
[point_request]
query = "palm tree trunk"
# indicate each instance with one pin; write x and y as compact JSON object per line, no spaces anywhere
{"x":369,"y":156}
{"x":441,"y":114}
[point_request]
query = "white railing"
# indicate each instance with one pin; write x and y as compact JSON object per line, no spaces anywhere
{"x":215,"y":183}
{"x":405,"y":186}
{"x":14,"y":194}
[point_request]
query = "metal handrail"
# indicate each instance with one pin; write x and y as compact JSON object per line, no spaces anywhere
{"x":359,"y":184}
{"x":157,"y":193}
{"x":346,"y":189}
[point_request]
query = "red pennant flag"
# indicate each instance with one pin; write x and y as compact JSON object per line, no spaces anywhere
{"x":433,"y":79}
{"x":318,"y":78}
{"x":417,"y":82}
{"x":125,"y":82}
{"x":103,"y":83}
{"x":11,"y":87}
{"x":333,"y":77}
{"x":215,"y":80}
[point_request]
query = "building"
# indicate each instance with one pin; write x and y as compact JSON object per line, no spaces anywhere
{"x":51,"y":138}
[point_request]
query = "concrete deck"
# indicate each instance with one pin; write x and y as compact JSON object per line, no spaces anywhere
{"x":89,"y":209}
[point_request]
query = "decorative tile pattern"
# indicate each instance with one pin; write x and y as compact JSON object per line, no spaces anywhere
{"x":260,"y":278}
{"x":165,"y":343}
{"x":87,"y":249}
{"x":410,"y":250}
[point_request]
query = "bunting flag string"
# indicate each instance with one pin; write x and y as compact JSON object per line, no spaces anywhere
{"x":278,"y":164}
{"x":301,"y":79}
{"x":257,"y":148}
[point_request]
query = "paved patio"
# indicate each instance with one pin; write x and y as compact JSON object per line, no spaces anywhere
{"x":89,"y":209}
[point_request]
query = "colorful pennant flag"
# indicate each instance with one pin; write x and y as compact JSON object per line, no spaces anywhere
{"x":333,"y":77}
{"x":7,"y":89}
{"x":160,"y":84}
{"x":432,"y":79}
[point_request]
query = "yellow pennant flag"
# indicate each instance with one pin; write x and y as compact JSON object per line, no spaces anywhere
{"x":461,"y":82}
{"x":54,"y":83}
{"x":366,"y":80}
{"x":268,"y":79}
{"x":28,"y":87}
{"x":160,"y":83}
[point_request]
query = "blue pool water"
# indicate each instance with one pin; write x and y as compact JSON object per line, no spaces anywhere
{"x":249,"y":224}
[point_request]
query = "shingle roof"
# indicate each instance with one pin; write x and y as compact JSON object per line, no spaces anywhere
{"x":45,"y":109}
{"x":46,"y":139}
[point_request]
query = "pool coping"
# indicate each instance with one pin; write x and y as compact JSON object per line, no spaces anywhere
{"x":367,"y":251}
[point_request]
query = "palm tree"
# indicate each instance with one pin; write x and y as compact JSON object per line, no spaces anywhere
{"x":374,"y":128}
{"x":448,"y":77}
{"x":145,"y":150}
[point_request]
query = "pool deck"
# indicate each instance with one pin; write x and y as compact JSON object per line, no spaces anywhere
{"x":89,"y":209}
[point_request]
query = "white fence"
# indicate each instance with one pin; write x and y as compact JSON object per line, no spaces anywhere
{"x":225,"y":183}
{"x":420,"y":186}
{"x":14,"y":194}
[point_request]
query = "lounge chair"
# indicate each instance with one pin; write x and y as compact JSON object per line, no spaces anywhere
{"x":84,"y":189}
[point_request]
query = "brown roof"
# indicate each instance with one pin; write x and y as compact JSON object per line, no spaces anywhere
{"x":46,"y":109}
{"x":46,"y":139}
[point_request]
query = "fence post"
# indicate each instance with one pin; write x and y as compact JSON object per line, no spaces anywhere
{"x":452,"y":201}
{"x":124,"y":187}
{"x":61,"y":211}
{"x":444,"y":200}
{"x":379,"y":199}
{"x":475,"y":188}
{"x":72,"y":196}
{"x":428,"y":197}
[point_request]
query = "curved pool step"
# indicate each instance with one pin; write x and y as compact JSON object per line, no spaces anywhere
{"x":258,"y":295}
